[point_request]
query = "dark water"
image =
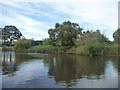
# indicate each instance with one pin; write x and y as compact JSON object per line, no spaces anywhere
{"x":36,"y":70}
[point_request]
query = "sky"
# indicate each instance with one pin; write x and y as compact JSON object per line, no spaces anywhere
{"x":34,"y":17}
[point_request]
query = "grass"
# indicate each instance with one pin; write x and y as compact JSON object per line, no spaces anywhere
{"x":106,"y":49}
{"x":39,"y":48}
{"x":47,"y":49}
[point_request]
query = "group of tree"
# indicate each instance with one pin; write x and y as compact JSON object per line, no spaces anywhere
{"x":90,"y":41}
{"x":11,"y":36}
{"x":64,"y":34}
{"x":67,"y":34}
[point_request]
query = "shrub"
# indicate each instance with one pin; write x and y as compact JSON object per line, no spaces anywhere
{"x":96,"y":49}
{"x":22,"y":45}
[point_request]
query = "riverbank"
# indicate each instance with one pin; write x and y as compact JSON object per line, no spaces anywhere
{"x":108,"y":50}
{"x":48,"y":49}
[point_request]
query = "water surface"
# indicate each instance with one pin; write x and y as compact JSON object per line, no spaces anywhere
{"x":37,"y":70}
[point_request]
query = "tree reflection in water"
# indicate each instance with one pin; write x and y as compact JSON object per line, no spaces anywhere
{"x":69,"y":68}
{"x":63,"y":68}
{"x":11,"y":60}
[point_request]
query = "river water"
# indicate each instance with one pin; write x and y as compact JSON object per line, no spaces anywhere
{"x":38,"y":70}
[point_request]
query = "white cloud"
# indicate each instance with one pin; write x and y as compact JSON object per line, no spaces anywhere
{"x":31,"y":27}
{"x":101,"y":14}
{"x":60,"y":1}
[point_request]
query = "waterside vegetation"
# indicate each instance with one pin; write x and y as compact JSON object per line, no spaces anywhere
{"x":66,"y":37}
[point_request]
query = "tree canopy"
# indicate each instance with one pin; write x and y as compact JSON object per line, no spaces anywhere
{"x":90,"y":37}
{"x":64,"y":34}
{"x":9,"y":34}
{"x":22,"y":44}
{"x":116,"y":36}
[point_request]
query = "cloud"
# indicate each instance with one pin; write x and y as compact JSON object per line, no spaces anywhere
{"x":119,"y":15}
{"x":62,"y":1}
{"x":28,"y":26}
{"x":36,"y":18}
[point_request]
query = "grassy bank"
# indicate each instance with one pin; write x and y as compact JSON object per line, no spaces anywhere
{"x":47,"y":49}
{"x":105,"y":50}
{"x":90,"y":49}
{"x":39,"y":48}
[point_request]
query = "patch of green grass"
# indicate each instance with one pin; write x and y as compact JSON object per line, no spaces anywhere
{"x":47,"y":49}
{"x":39,"y":48}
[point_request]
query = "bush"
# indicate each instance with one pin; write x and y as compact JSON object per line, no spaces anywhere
{"x":96,"y":49}
{"x":46,"y":41}
{"x":22,"y":45}
{"x":111,"y":50}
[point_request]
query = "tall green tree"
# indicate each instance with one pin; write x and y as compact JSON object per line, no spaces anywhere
{"x":92,"y":42}
{"x":9,"y":34}
{"x":116,"y":36}
{"x":64,"y":34}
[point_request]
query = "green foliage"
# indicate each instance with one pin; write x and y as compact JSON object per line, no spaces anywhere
{"x":9,"y":34}
{"x":64,"y":34}
{"x":90,"y":43}
{"x":111,"y":50}
{"x":90,"y":37}
{"x":40,"y":48}
{"x":96,"y":49}
{"x":4,"y":48}
{"x":48,"y":49}
{"x":22,"y":45}
{"x":116,"y":36}
{"x":66,"y":37}
{"x":46,"y":41}
{"x":60,"y":49}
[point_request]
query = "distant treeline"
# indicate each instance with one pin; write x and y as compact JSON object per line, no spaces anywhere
{"x":67,"y":37}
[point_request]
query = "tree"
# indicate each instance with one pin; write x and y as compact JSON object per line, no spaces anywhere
{"x":9,"y":34}
{"x":90,"y":37}
{"x":93,"y":42}
{"x":46,"y":41}
{"x":22,"y":44}
{"x":116,"y":36}
{"x":64,"y":34}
